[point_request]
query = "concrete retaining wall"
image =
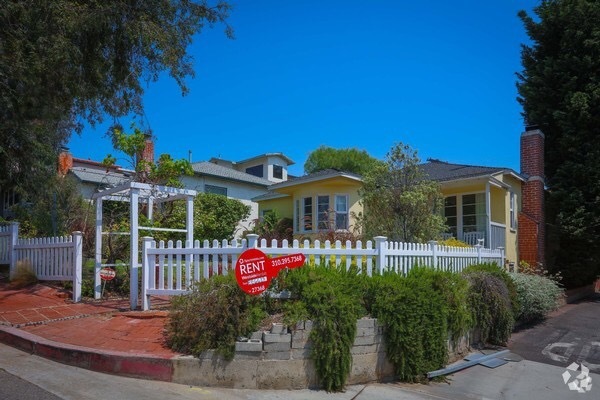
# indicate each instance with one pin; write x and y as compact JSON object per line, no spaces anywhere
{"x":280,"y":359}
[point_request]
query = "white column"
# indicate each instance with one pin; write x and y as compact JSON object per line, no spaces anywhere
{"x":77,"y":265}
{"x":150,"y":210}
{"x":14,"y":238}
{"x":433,"y":248}
{"x":146,"y":273}
{"x":380,"y":247}
{"x":98,"y":253}
{"x":133,"y":259}
{"x":189,"y":220}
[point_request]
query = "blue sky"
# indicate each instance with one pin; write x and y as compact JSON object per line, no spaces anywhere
{"x":437,"y":75}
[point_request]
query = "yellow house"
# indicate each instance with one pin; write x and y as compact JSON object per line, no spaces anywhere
{"x":322,"y":201}
{"x":480,"y":203}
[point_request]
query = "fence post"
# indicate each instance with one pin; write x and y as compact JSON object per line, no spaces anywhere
{"x":433,"y":247}
{"x":14,"y":238}
{"x":380,"y":250}
{"x":502,"y":257}
{"x":252,"y":240}
{"x":77,"y":265}
{"x":98,"y":252}
{"x":146,"y":275}
{"x":478,"y":246}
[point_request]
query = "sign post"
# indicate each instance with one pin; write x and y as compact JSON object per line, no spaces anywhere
{"x":254,"y":270}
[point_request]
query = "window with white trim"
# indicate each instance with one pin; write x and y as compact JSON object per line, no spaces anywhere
{"x":341,"y":212}
{"x":323,"y":213}
{"x":473,"y":212}
{"x":450,"y":212}
{"x":277,"y":172}
{"x":307,"y":214}
{"x":513,"y":210}
{"x":215,"y":189}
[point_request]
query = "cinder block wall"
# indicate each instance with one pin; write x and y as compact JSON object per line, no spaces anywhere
{"x":280,"y":359}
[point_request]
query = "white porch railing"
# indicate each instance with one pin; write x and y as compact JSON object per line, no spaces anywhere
{"x":50,"y":258}
{"x":173,"y":269}
{"x":498,"y":235}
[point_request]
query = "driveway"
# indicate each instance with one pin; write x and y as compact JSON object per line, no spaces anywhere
{"x":571,"y":334}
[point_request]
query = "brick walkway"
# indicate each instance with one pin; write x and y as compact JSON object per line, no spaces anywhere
{"x":49,"y":313}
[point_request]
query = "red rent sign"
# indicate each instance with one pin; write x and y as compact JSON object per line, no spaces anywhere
{"x":107,"y":274}
{"x":254,"y":270}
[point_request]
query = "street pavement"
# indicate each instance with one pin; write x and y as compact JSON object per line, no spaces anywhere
{"x":571,"y":334}
{"x":516,"y":380}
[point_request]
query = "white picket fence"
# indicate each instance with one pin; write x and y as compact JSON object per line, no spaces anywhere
{"x":173,"y":269}
{"x":50,"y":258}
{"x":8,"y":236}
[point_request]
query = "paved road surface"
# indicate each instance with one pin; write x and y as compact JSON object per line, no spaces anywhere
{"x":571,"y":335}
{"x":14,"y":388}
{"x":516,"y":380}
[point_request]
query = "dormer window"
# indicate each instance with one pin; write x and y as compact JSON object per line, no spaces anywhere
{"x":277,"y":172}
{"x":257,"y":170}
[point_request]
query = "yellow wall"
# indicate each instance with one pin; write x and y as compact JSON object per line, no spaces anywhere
{"x":330,"y":187}
{"x":499,"y":207}
{"x":500,"y":202}
{"x":512,"y":238}
{"x":283,"y":206}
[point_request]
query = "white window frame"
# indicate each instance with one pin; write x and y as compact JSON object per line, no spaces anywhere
{"x":460,"y":214}
{"x":216,"y":188}
{"x":312,"y":214}
{"x":323,"y":216}
{"x":346,"y":212}
{"x":513,"y":211}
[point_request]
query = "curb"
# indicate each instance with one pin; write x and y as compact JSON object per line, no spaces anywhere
{"x":110,"y":362}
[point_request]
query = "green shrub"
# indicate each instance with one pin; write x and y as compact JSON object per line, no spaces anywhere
{"x":330,"y":297}
{"x":494,"y":270}
{"x":538,"y":295}
{"x":213,"y":316}
{"x":490,"y":302}
{"x":414,"y":316}
{"x":455,"y":290}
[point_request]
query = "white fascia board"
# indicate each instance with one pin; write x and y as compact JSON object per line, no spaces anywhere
{"x":301,"y":181}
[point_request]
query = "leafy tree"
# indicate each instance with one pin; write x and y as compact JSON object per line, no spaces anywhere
{"x":215,"y":217}
{"x":63,"y":62}
{"x":60,"y":210}
{"x":166,"y":171}
{"x":398,"y":202}
{"x":559,"y":89}
{"x":349,"y":160}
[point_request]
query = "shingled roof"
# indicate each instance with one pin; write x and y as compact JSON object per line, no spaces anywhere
{"x":102,"y":177}
{"x":441,"y":171}
{"x":318,"y":176}
{"x":209,"y":168}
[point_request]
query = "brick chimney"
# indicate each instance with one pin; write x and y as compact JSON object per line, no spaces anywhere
{"x":532,"y":223}
{"x":65,"y":161}
{"x":146,"y":155}
{"x":148,"y":151}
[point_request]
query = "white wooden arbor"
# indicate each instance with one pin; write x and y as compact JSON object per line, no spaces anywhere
{"x":134,"y":193}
